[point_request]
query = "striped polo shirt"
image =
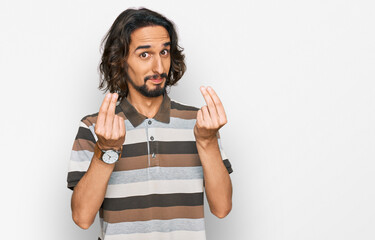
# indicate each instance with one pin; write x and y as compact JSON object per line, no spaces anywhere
{"x":156,"y":189}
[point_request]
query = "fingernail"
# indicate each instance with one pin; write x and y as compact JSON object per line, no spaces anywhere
{"x":108,"y":95}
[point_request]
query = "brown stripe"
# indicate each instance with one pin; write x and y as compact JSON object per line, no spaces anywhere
{"x":101,"y":212}
{"x":183,"y":114}
{"x":163,"y":160}
{"x":179,"y":160}
{"x":83,"y":144}
{"x":89,"y":120}
{"x":131,"y":163}
{"x":145,"y":214}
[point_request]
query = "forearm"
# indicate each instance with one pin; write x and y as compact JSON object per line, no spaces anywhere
{"x":218,"y":184}
{"x":89,"y":193}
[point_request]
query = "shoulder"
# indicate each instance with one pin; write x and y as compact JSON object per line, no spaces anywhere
{"x":90,"y":119}
{"x":183,"y":111}
{"x":182,"y":106}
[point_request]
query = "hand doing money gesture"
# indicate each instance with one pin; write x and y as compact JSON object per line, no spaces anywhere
{"x":110,"y":128}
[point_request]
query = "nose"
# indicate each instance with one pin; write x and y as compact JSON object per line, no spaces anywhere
{"x":158,"y":65}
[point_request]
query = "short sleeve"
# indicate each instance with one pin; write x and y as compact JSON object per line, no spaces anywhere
{"x":82,"y":153}
{"x":224,"y":157}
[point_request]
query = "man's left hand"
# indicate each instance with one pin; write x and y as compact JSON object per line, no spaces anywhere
{"x":210,"y":118}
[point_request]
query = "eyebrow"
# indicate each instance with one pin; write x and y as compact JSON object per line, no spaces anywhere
{"x":149,"y":46}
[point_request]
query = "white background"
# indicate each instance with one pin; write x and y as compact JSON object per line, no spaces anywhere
{"x":296,"y":79}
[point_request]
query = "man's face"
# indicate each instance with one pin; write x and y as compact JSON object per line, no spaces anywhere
{"x":148,"y":60}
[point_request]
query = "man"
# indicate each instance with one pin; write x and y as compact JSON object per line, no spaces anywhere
{"x":145,"y":162}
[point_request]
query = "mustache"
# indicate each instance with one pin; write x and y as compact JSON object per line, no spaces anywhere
{"x":156,"y":76}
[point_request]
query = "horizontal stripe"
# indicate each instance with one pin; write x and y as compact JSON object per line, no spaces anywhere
{"x":77,"y":171}
{"x":83,"y":144}
{"x":153,"y":200}
{"x":154,"y":187}
{"x":80,"y":161}
{"x":136,"y":136}
{"x":176,"y":147}
{"x":157,"y":147}
{"x":172,"y":134}
{"x":81,"y":156}
{"x":154,"y":226}
{"x":175,"y":122}
{"x":159,"y":134}
{"x":228,"y":165}
{"x":162,"y":160}
{"x":146,"y":214}
{"x":73,"y":178}
{"x":131,"y":163}
{"x":80,"y":166}
{"x":136,"y":149}
{"x":178,"y":235}
{"x":85,"y":133}
{"x":186,"y":115}
{"x":156,"y":173}
{"x":181,"y":106}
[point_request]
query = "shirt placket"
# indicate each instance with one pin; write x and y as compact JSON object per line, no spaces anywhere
{"x":153,"y":159}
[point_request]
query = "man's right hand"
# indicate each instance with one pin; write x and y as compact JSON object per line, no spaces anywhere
{"x":110,"y":128}
{"x":90,"y":191}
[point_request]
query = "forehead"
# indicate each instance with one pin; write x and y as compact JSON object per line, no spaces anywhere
{"x":150,"y":35}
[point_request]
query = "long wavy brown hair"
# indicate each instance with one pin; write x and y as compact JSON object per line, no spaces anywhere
{"x":113,"y":67}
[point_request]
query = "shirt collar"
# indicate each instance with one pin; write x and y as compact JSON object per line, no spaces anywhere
{"x":136,"y":118}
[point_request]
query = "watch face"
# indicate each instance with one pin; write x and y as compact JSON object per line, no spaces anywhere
{"x":110,"y":156}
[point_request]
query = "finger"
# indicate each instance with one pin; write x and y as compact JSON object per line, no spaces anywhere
{"x":199,"y":116}
{"x":210,"y":105}
{"x":115,"y":128}
{"x":103,"y":110}
{"x":206,"y":114}
{"x":218,"y":104}
{"x":111,"y":113}
{"x":122,"y":126}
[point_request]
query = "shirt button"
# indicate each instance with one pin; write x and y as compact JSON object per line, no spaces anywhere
{"x":152,"y":138}
{"x":153,"y":155}
{"x":149,"y":122}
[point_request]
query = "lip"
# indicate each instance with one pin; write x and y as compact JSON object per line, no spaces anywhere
{"x":156,"y":81}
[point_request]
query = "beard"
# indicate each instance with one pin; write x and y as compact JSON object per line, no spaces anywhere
{"x":158,"y":91}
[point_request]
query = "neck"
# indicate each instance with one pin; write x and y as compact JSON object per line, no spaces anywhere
{"x":145,"y":105}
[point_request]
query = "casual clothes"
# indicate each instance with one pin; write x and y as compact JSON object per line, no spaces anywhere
{"x":156,"y":189}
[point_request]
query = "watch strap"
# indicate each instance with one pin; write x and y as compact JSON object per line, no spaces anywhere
{"x":99,"y":152}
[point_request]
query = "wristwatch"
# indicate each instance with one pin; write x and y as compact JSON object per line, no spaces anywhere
{"x":109,"y":156}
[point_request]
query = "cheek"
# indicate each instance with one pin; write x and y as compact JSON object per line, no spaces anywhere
{"x":137,"y":69}
{"x":167,"y":64}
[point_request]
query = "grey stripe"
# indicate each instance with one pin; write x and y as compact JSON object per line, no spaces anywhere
{"x":176,"y":123}
{"x":156,"y":173}
{"x":154,"y":226}
{"x":81,"y":155}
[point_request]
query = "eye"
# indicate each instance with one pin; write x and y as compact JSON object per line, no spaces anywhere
{"x":144,"y":55}
{"x":164,"y":52}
